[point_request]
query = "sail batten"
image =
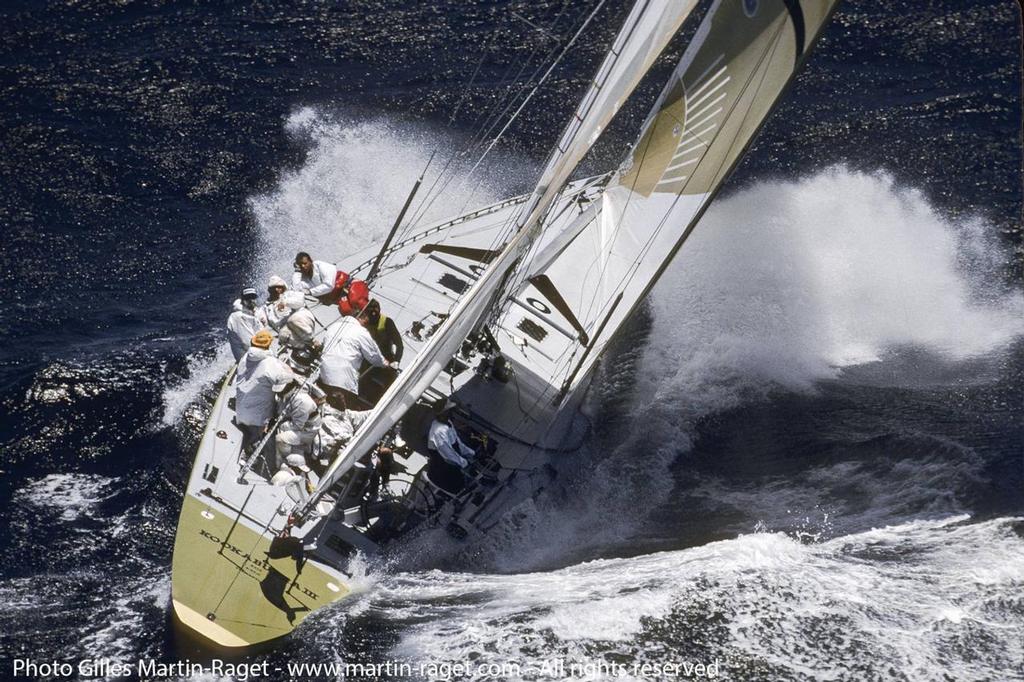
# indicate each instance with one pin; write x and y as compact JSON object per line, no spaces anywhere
{"x":742,"y":57}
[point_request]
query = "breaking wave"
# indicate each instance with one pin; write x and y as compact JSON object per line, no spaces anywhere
{"x":203,"y":370}
{"x":790,"y":281}
{"x":918,"y":600}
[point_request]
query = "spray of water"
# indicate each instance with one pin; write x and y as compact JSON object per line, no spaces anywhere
{"x":782,"y":285}
{"x":342,"y":200}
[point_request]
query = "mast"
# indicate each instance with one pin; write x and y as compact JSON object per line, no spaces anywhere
{"x":647,"y":30}
{"x":398,"y":222}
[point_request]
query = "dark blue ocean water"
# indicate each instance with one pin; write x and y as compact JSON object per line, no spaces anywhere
{"x":808,"y":459}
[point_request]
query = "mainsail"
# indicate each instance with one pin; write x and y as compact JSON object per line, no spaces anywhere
{"x":647,"y":30}
{"x":742,"y":57}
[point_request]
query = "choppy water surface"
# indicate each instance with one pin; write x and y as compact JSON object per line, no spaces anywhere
{"x":807,"y":458}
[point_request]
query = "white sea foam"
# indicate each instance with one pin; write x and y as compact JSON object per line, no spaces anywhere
{"x":351,"y":187}
{"x":793,"y":280}
{"x":923,"y":599}
{"x":75,"y":496}
{"x":203,"y":370}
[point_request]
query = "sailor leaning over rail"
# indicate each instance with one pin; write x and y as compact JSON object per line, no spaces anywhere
{"x":257,"y":374}
{"x":313,"y":277}
{"x":243,"y":322}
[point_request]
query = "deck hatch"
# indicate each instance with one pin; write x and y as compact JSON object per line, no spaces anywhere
{"x":456,"y":284}
{"x":532,"y":329}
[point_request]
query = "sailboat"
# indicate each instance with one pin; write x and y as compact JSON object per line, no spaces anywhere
{"x":505,"y":314}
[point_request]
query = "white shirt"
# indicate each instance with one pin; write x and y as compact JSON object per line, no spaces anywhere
{"x":300,"y":419}
{"x":299,"y":329}
{"x":444,"y":439}
{"x":347,"y":345}
{"x":255,"y":377}
{"x":320,"y":283}
{"x":260,"y":313}
{"x":242,"y":325}
{"x":339,"y":426}
{"x":275,"y":313}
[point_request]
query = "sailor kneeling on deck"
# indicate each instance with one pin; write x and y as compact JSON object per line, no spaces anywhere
{"x":299,"y":326}
{"x":449,"y":456}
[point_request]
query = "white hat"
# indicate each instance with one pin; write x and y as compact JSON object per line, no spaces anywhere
{"x":283,"y":384}
{"x":249,"y":292}
{"x":297,"y":462}
{"x":302,"y":323}
{"x":276,"y":281}
{"x":294,"y":299}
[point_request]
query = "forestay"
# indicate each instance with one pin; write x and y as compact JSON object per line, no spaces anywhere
{"x":647,"y":30}
{"x":742,"y":57}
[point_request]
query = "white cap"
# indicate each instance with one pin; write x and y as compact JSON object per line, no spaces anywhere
{"x":302,"y":323}
{"x":276,"y":281}
{"x":297,"y":462}
{"x":294,"y":299}
{"x":283,"y":384}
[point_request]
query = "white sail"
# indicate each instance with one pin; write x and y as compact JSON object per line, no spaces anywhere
{"x":646,"y":32}
{"x":744,"y":54}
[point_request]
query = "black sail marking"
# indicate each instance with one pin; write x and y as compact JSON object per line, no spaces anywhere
{"x":796,"y":13}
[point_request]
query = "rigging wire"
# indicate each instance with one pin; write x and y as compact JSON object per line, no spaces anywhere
{"x":493,"y":117}
{"x":431,"y":196}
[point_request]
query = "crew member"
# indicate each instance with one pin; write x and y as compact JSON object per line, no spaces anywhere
{"x":297,"y":476}
{"x":385,"y":334}
{"x":348,"y":344}
{"x":242,"y":323}
{"x":449,"y":456}
{"x":314,"y":277}
{"x":339,"y":425}
{"x":300,"y":325}
{"x":257,"y":374}
{"x":299,"y":410}
{"x":275,"y":309}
